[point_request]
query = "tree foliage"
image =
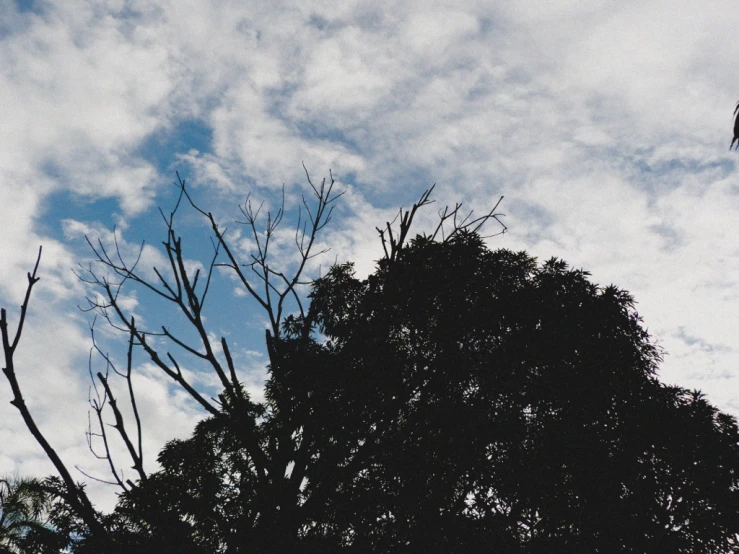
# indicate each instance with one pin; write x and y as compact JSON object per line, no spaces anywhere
{"x":458,"y":399}
{"x":25,"y":504}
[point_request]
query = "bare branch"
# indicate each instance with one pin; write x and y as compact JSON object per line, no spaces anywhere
{"x":231,"y":367}
{"x":406,"y":219}
{"x":98,"y":404}
{"x":74,"y":494}
{"x":274,"y":294}
{"x":103,"y":481}
{"x":394,"y":241}
{"x":32,"y":280}
{"x":121,"y":428}
{"x":154,"y":356}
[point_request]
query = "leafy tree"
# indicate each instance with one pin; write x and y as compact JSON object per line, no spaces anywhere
{"x":457,"y":400}
{"x":24,"y":510}
{"x":518,"y":401}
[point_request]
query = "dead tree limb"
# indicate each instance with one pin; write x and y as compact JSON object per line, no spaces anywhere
{"x":393,"y":240}
{"x":73,"y":494}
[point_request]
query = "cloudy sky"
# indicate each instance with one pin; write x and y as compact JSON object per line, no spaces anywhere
{"x":605,"y":125}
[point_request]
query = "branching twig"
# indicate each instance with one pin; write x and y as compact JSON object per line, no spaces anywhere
{"x":98,"y":405}
{"x":393,"y":241}
{"x":396,"y":241}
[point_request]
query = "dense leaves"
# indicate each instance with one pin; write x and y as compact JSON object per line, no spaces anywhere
{"x":457,"y":400}
{"x":518,"y":405}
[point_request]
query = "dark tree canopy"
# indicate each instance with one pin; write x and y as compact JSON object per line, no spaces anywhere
{"x":462,"y":400}
{"x":24,"y":507}
{"x":457,"y":400}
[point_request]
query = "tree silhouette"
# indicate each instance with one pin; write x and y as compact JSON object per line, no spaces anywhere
{"x":472,"y":400}
{"x":457,"y":400}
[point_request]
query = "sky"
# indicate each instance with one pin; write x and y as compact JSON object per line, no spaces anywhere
{"x":605,"y":125}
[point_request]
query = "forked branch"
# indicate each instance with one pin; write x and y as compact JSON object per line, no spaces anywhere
{"x":98,"y":404}
{"x":276,"y":286}
{"x":73,"y":493}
